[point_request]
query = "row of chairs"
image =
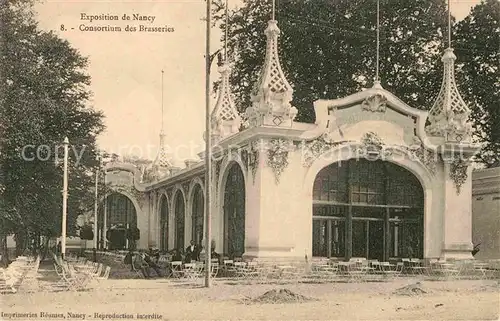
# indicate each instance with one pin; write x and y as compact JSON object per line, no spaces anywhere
{"x":78,"y":273}
{"x":20,"y":275}
{"x":356,"y":269}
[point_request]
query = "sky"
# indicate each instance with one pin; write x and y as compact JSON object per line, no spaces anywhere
{"x":126,"y":69}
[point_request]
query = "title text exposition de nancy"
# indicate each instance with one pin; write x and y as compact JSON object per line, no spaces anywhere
{"x":126,"y":17}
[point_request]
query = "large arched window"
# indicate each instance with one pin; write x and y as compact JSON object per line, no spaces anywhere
{"x":164,"y":223}
{"x":120,"y":215}
{"x":234,"y":212}
{"x":197,"y":215}
{"x":179,"y":220}
{"x":371,"y":209}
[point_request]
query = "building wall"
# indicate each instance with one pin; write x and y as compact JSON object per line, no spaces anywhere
{"x":486,"y":212}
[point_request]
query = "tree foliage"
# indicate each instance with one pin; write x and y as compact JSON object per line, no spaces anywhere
{"x":43,"y":99}
{"x":328,"y":48}
{"x":477,"y":43}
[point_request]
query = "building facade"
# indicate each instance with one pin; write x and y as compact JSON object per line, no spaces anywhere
{"x":372,"y":177}
{"x":486,"y":213}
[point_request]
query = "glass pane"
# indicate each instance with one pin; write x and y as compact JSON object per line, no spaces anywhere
{"x":338,"y":239}
{"x":319,"y":238}
{"x":358,"y":239}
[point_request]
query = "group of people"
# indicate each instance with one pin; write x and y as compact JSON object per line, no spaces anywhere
{"x":146,"y":262}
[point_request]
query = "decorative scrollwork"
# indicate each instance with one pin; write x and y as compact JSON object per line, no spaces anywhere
{"x":215,"y":178}
{"x":169,"y":194}
{"x":140,"y":197}
{"x":458,"y":173}
{"x":372,"y":147}
{"x":253,"y":159}
{"x":277,"y":156}
{"x":244,"y":158}
{"x":424,"y":155}
{"x":375,"y":103}
{"x":185,"y":187}
{"x":314,"y":149}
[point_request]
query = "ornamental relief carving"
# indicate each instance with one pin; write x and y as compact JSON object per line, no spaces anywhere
{"x":140,"y":197}
{"x":277,"y":156}
{"x":185,"y":187}
{"x":458,"y":173}
{"x":244,"y":158}
{"x":218,"y":164}
{"x":372,"y":147}
{"x":253,"y":159}
{"x":375,"y":103}
{"x":312,"y":150}
{"x":169,"y":194}
{"x":427,"y":157}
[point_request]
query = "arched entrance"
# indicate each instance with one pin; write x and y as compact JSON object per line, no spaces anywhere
{"x":371,"y":209}
{"x":234,"y":212}
{"x":121,"y":215}
{"x":197,"y":214}
{"x":163,"y":223}
{"x":179,"y":220}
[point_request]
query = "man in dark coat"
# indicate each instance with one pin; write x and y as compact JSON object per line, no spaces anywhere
{"x":192,"y":252}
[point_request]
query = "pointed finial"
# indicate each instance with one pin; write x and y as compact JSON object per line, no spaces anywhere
{"x":273,"y":15}
{"x":272,"y":93}
{"x":162,"y":164}
{"x":225,"y":119}
{"x":449,"y":116}
{"x":162,"y":72}
{"x":377,"y":77}
{"x":226,"y":31}
{"x":449,"y":23}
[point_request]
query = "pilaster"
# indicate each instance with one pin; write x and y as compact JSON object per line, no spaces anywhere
{"x":457,"y":216}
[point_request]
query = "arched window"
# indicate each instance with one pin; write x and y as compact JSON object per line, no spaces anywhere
{"x":198,"y":215}
{"x":164,"y":224}
{"x":179,"y":221}
{"x":371,"y":209}
{"x":234,"y":212}
{"x":121,"y":215}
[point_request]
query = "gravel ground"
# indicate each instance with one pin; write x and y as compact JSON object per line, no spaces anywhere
{"x":162,"y":299}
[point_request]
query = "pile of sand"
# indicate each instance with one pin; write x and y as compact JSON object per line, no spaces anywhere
{"x":410,"y":290}
{"x":277,"y":296}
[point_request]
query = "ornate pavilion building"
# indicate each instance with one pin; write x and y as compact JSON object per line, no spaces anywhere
{"x":373,"y":177}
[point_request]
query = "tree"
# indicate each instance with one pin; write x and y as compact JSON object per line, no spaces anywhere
{"x":328,"y":48}
{"x":44,"y":98}
{"x":477,"y":43}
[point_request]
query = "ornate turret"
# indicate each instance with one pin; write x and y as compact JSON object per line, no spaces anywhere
{"x":161,"y":165}
{"x":272,"y":93}
{"x":449,"y":116}
{"x":225,"y":119}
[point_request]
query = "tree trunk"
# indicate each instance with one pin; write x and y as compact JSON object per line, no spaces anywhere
{"x":45,"y":248}
{"x":4,"y":251}
{"x":20,"y":239}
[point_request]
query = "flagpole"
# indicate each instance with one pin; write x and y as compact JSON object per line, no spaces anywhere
{"x":208,"y":152}
{"x":96,"y":204}
{"x":65,"y":199}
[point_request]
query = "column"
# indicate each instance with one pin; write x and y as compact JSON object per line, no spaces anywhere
{"x":387,"y":235}
{"x":348,"y":234}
